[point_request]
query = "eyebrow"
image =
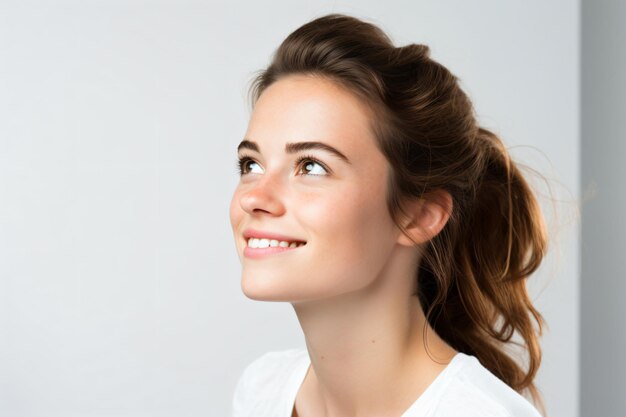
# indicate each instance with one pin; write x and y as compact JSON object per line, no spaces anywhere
{"x":296,"y":147}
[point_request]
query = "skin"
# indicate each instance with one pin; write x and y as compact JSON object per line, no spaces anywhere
{"x":351,"y":284}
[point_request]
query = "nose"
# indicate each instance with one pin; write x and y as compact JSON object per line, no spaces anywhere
{"x":263,"y":196}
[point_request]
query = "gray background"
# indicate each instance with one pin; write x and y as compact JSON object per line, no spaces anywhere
{"x":603,"y":243}
{"x":119,"y":278}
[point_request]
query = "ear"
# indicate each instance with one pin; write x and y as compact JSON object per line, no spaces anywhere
{"x":426,"y":217}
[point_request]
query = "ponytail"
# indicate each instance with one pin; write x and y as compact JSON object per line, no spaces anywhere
{"x":480,"y":298}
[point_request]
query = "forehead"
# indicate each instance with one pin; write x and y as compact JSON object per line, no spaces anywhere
{"x":301,"y":107}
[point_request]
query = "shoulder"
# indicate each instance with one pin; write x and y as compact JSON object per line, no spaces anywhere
{"x":475,"y":391}
{"x":265,"y":380}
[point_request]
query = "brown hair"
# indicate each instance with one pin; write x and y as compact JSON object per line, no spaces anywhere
{"x":471,"y":280}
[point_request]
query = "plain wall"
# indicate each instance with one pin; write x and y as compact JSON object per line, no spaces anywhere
{"x":119,"y":280}
{"x":603,"y":245}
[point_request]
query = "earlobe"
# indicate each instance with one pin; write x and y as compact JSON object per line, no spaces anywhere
{"x":427,"y":217}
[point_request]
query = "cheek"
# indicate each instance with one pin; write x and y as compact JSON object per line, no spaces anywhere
{"x":355,"y":228}
{"x":351,"y":235}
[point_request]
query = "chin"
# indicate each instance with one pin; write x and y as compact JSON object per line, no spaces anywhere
{"x":258,"y":289}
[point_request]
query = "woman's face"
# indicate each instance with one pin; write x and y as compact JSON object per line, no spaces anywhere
{"x":336,"y":206}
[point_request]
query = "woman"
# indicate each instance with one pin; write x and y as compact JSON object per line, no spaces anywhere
{"x":400,"y":231}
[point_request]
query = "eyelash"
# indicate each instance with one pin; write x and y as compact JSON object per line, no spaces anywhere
{"x":244,"y":159}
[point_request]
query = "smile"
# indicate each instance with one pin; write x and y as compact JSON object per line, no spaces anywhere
{"x":256,"y":248}
{"x":267,"y":243}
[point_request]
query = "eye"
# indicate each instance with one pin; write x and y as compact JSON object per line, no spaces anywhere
{"x":242,"y":164}
{"x":310,"y":161}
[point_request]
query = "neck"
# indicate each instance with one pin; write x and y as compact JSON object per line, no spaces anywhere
{"x":367,"y":347}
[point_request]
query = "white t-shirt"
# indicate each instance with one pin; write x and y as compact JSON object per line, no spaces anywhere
{"x":269,"y":384}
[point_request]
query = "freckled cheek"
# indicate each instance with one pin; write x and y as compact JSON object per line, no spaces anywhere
{"x":345,"y":253}
{"x":341,"y":226}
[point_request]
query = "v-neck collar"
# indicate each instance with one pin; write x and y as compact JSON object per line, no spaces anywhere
{"x":416,"y":409}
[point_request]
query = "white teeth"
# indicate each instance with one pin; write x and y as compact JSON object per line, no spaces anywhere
{"x":265,"y":243}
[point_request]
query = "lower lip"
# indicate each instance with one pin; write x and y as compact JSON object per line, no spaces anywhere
{"x":256,"y":253}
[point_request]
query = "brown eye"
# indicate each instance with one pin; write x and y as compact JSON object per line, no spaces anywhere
{"x":309,"y":161}
{"x":242,"y":164}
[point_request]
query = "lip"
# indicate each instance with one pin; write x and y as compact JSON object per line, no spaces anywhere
{"x":260,"y":234}
{"x":256,"y":253}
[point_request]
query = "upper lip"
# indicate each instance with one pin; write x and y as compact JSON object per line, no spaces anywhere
{"x":259,"y":234}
